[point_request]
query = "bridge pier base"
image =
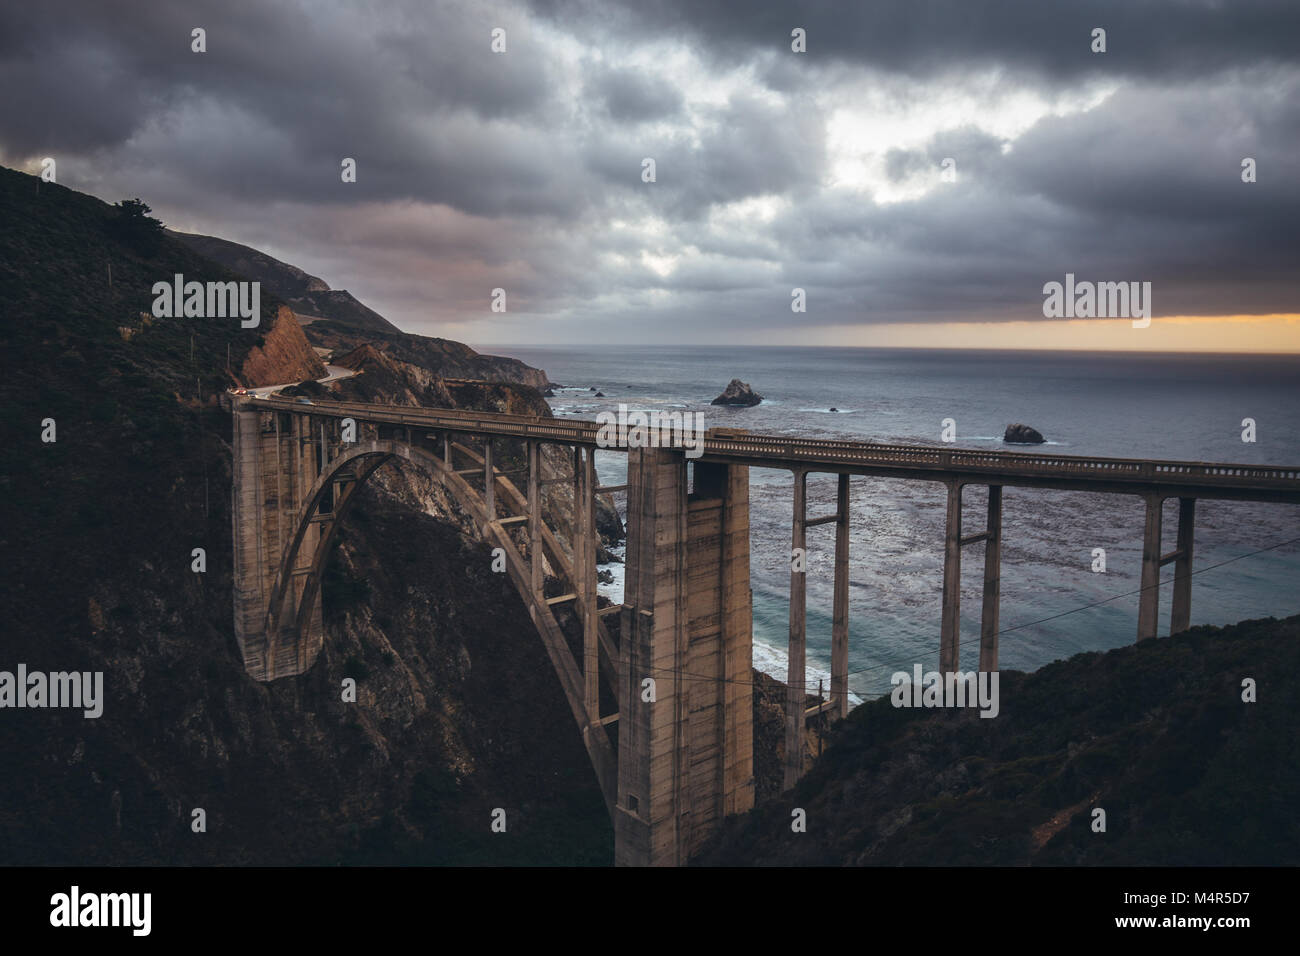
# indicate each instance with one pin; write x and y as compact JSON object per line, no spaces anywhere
{"x":685,"y":730}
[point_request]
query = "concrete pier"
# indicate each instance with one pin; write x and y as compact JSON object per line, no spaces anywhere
{"x":795,"y":721}
{"x":840,"y":611}
{"x":686,"y":756}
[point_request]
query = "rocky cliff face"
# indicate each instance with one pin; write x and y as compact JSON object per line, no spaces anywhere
{"x":451,"y":360}
{"x":284,"y":355}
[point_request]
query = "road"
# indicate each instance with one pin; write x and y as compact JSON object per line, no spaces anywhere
{"x":336,"y":372}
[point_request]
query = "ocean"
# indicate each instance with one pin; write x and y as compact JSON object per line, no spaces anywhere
{"x":1188,"y":406}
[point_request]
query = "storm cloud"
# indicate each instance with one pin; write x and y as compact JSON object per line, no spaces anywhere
{"x":821,"y":170}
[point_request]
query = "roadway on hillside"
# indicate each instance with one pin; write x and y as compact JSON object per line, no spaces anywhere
{"x":336,"y":372}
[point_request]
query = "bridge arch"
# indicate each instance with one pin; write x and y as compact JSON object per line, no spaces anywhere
{"x":291,"y":606}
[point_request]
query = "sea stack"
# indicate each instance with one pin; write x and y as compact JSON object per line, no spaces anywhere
{"x":1019,"y":434}
{"x":738,"y":393}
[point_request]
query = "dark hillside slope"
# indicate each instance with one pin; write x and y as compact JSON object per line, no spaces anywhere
{"x":458,"y":712}
{"x":1155,"y":734}
{"x":307,"y":295}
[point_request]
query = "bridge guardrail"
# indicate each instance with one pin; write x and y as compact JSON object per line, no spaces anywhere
{"x":780,"y":450}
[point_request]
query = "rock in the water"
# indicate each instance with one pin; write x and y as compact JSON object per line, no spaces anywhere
{"x":738,"y":393}
{"x":548,"y":393}
{"x":592,"y":389}
{"x":834,"y":409}
{"x":1019,"y":434}
{"x":600,"y":394}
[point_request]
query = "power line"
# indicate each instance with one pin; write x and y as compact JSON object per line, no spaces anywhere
{"x":687,"y":675}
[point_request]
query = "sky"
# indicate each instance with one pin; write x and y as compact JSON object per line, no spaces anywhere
{"x":774,"y":170}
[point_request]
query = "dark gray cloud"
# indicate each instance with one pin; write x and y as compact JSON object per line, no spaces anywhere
{"x":630,"y":97}
{"x":774,"y":169}
{"x":1156,"y":38}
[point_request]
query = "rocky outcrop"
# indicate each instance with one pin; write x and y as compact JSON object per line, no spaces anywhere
{"x":283,"y":356}
{"x":737,"y":393}
{"x":1019,"y":434}
{"x":451,"y":360}
{"x":386,"y":380}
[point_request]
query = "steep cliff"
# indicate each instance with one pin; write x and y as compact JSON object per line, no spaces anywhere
{"x":283,"y":356}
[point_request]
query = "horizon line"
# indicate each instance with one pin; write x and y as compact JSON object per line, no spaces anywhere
{"x":882,"y":348}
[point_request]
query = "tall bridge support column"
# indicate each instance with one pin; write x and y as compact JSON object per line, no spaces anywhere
{"x":840,"y":613}
{"x":992,"y":583}
{"x":950,"y":618}
{"x":1181,"y":618}
{"x":686,"y":724}
{"x":797,"y":658}
{"x":273,"y":468}
{"x":1149,"y":598}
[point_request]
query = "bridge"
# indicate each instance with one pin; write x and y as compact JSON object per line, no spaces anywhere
{"x":674,"y":681}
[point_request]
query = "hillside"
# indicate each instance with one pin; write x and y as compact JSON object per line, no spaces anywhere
{"x":1155,"y":734}
{"x":98,"y":532}
{"x":335,"y":320}
{"x":307,"y":295}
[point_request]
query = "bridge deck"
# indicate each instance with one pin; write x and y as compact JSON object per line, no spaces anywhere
{"x":925,"y":462}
